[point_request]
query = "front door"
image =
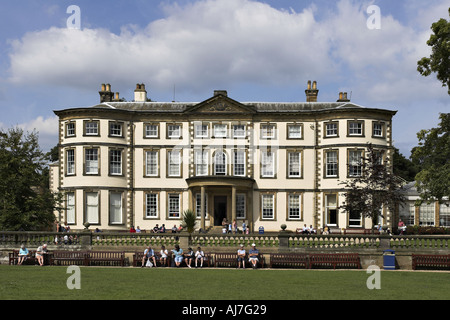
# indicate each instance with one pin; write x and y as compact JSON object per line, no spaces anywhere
{"x":220,"y":209}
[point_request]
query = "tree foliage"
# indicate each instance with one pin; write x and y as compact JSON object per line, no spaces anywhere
{"x":404,"y":168}
{"x":433,"y":156}
{"x":25,"y":201}
{"x":376,"y":187}
{"x":439,"y":60}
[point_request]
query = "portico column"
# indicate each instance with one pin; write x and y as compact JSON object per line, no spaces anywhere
{"x":233,"y":203}
{"x":250,"y":210}
{"x":202,"y":206}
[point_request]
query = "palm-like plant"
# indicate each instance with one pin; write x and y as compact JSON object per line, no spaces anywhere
{"x":189,"y":222}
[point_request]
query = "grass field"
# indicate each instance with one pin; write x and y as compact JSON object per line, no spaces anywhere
{"x":111,"y":283}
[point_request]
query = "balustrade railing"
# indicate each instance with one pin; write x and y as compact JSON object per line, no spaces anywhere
{"x":334,"y":241}
{"x":10,"y":239}
{"x":30,"y":238}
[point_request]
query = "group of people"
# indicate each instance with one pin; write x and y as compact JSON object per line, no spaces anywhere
{"x":149,"y":259}
{"x":66,"y":238}
{"x":195,"y":258}
{"x":24,"y":254}
{"x":232,"y":227}
{"x":253,"y":256}
{"x":307,"y":230}
{"x":157,"y":229}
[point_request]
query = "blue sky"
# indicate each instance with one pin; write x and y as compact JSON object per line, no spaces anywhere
{"x":256,"y":50}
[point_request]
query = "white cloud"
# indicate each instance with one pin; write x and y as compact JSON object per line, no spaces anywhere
{"x":47,"y":129}
{"x":213,"y":41}
{"x":225,"y":43}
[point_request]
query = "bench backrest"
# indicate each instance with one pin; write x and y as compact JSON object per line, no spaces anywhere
{"x":106,"y":254}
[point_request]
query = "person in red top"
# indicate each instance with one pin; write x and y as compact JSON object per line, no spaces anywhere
{"x":401,"y":226}
{"x":132,"y":229}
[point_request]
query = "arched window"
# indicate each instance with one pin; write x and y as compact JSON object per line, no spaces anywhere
{"x":220,"y":163}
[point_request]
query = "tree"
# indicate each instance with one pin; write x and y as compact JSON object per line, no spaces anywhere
{"x":439,"y":60}
{"x":433,"y":156}
{"x":26,"y":203}
{"x":375,"y":187}
{"x":404,"y":168}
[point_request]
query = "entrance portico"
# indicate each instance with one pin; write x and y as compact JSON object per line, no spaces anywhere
{"x":219,"y":197}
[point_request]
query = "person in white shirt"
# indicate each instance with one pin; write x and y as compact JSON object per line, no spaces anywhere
{"x":164,"y":253}
{"x":199,"y":255}
{"x":241,"y":256}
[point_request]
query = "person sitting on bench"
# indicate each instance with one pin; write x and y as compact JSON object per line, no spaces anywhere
{"x":23,"y":255}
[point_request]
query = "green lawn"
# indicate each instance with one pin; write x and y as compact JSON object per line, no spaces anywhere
{"x":111,"y":283}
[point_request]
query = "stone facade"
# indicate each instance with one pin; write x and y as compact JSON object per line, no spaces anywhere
{"x":143,"y":163}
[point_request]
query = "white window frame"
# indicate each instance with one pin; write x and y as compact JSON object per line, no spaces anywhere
{"x":174,"y":131}
{"x":115,"y":162}
{"x":70,"y":162}
{"x":444,"y":215}
{"x":268,"y":131}
{"x":294,"y":199}
{"x":70,"y":129}
{"x":220,"y":163}
{"x":237,"y":130}
{"x":220,"y":130}
{"x":151,"y":130}
{"x":354,"y":222}
{"x":198,"y":208}
{"x":427,"y":214}
{"x":331,"y":164}
{"x":201,"y":130}
{"x":355,"y":162}
{"x":151,"y":163}
{"x":92,"y":161}
{"x":92,"y":206}
{"x":378,"y":129}
{"x":295,"y":134}
{"x":355,"y":128}
{"x":70,"y":208}
{"x":174,"y":163}
{"x":151,"y":205}
{"x":239,"y":163}
{"x":267,"y":164}
{"x":331,"y":129}
{"x":115,"y":209}
{"x":241,"y":206}
{"x":116,"y":129}
{"x":201,"y":162}
{"x":91,"y":128}
{"x":267,"y":206}
{"x":174,"y":205}
{"x":291,"y":164}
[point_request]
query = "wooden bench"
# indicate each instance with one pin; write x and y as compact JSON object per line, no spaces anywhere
{"x":14,"y":257}
{"x":289,"y":260}
{"x":106,"y":258}
{"x":431,"y":261}
{"x":334,"y":260}
{"x":61,"y":257}
{"x":230,"y":259}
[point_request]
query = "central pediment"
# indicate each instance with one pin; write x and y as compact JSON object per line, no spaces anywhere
{"x":221,"y":103}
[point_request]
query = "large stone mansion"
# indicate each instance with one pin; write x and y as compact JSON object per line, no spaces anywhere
{"x":143,"y":163}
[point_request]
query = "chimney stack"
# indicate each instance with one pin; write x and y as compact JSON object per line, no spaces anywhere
{"x":311,"y":93}
{"x":105,"y":94}
{"x":343,"y":97}
{"x":140,"y":94}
